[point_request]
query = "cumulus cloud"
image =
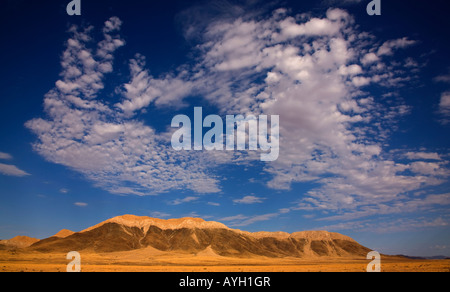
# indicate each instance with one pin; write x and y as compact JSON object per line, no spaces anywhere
{"x":185,"y":200}
{"x":389,"y":47}
{"x":311,"y":71}
{"x":422,"y":156}
{"x":242,"y":220}
{"x":444,"y":104}
{"x":314,"y":27}
{"x":120,"y":155}
{"x":157,"y":214}
{"x":319,"y":116}
{"x":443,"y":78}
{"x":390,"y":226}
{"x":12,"y":170}
{"x":5,"y":156}
{"x":403,"y":205}
{"x":369,"y":58}
{"x":234,"y":218}
{"x":323,"y":144}
{"x":444,"y":107}
{"x":81,"y":204}
{"x":144,"y":89}
{"x":249,"y":200}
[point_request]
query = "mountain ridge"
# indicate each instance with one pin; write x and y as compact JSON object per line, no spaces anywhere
{"x":145,"y":222}
{"x":18,"y":242}
{"x":64,"y":233}
{"x":190,"y":222}
{"x":197,"y":236}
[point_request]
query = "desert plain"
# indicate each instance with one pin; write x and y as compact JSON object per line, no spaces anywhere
{"x":151,"y":260}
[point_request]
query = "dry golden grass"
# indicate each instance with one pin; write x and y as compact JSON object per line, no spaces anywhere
{"x":150,"y":260}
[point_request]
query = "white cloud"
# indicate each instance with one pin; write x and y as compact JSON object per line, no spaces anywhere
{"x":157,"y":214}
{"x":443,"y":78}
{"x":249,"y":200}
{"x":361,"y":81}
{"x":185,"y":200}
{"x":5,"y":156}
{"x":422,"y":156}
{"x":389,"y":47}
{"x":112,"y":24}
{"x":402,"y":205}
{"x":350,"y":70}
{"x":427,"y":168}
{"x":84,"y":69}
{"x":444,"y":104}
{"x":242,"y":220}
{"x":233,"y":218}
{"x":314,"y":27}
{"x":369,"y":58}
{"x":319,"y":115}
{"x":444,"y":107}
{"x":445,"y":101}
{"x":143,"y":89}
{"x":254,"y":219}
{"x":120,"y":155}
{"x":308,"y":70}
{"x":314,"y":86}
{"x":81,"y":204}
{"x":12,"y":170}
{"x":391,"y":226}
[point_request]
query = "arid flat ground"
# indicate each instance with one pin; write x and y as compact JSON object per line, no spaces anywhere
{"x":149,"y":260}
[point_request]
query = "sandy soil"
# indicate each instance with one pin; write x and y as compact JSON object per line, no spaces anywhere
{"x":150,"y":260}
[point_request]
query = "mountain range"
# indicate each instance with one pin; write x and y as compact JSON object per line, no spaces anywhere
{"x":194,"y":236}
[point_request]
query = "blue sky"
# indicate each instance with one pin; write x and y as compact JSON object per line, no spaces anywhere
{"x":364,"y":104}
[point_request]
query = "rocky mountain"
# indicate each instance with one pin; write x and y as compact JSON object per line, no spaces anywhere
{"x":64,"y":233}
{"x":17,"y":242}
{"x":194,"y":235}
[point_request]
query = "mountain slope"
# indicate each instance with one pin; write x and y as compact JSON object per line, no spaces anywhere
{"x":193,"y":235}
{"x":109,"y":237}
{"x":17,"y":242}
{"x":64,"y":233}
